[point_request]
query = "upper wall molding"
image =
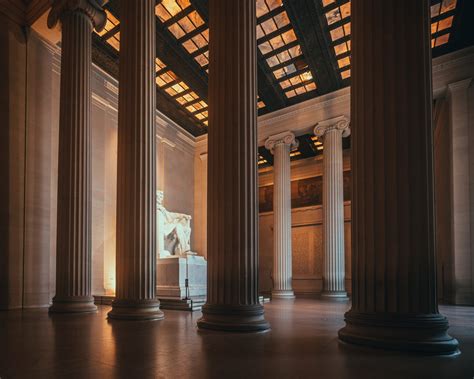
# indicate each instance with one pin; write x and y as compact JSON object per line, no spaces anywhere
{"x":462,"y":85}
{"x":301,"y":118}
{"x":108,"y":99}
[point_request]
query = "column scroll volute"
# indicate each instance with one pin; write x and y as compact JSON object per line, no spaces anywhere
{"x":91,"y":8}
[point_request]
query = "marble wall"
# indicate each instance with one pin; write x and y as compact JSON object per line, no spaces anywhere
{"x":29,"y":110}
{"x":461,"y":126}
{"x":307,"y":232}
{"x":43,"y":64}
{"x":454,"y":173}
{"x":29,"y":102}
{"x":104,"y":178}
{"x":443,"y":208}
{"x":30,"y":133}
{"x":12,"y":162}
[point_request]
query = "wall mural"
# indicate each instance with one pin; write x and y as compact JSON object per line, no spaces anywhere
{"x":304,"y":193}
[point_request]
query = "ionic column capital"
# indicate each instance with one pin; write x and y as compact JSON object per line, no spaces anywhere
{"x":341,"y":123}
{"x":91,"y":8}
{"x":287,"y":138}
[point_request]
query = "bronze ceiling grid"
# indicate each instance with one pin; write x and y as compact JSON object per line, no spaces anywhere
{"x":318,"y":61}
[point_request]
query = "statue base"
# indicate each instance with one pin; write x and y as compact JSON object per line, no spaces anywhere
{"x":173,"y":290}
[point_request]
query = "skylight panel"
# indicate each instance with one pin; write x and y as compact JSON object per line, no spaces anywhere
{"x":111,"y":24}
{"x":281,"y":50}
{"x":181,"y":19}
{"x":338,"y":12}
{"x":184,"y":28}
{"x":261,"y":160}
{"x":317,"y":143}
{"x":170,"y":8}
{"x":338,"y":20}
{"x":177,"y":89}
{"x":442,"y":17}
{"x":266,"y":6}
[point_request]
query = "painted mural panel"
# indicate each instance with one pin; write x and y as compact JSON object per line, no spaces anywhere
{"x":304,"y":193}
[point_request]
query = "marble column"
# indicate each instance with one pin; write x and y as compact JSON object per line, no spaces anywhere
{"x":462,"y":171}
{"x":232,"y":291}
{"x":332,"y":131}
{"x":73,"y":252}
{"x":136,"y":166}
{"x":203,"y":200}
{"x":394,"y":304}
{"x":281,"y":145}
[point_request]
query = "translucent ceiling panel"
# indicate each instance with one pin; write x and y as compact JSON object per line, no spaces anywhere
{"x":442,"y":15}
{"x":278,"y":43}
{"x":182,"y":22}
{"x":338,"y":12}
{"x":113,"y":39}
{"x":170,"y":83}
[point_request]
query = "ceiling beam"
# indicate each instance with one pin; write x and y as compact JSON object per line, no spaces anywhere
{"x":173,"y":54}
{"x":268,"y":90}
{"x":185,"y":12}
{"x":266,"y":154}
{"x":462,"y":30}
{"x":274,"y":34}
{"x":281,"y":49}
{"x":107,"y":58}
{"x":306,"y":146}
{"x":308,"y":20}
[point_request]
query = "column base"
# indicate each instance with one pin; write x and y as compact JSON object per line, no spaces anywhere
{"x":334,"y":295}
{"x":73,"y":304}
{"x":136,"y":310}
{"x":283,"y":294}
{"x":422,"y":334}
{"x":245,"y":318}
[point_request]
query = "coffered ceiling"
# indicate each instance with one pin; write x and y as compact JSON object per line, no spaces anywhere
{"x":303,"y":51}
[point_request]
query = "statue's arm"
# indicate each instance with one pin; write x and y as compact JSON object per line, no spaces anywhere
{"x":180,"y":216}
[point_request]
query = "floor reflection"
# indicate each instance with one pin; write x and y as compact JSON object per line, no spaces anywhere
{"x":302,"y":343}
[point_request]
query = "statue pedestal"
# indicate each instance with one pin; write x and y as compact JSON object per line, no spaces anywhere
{"x":172,"y":273}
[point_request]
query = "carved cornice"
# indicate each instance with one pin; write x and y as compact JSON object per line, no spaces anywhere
{"x":459,"y":85}
{"x":340,"y":123}
{"x":287,"y":138}
{"x":91,"y":8}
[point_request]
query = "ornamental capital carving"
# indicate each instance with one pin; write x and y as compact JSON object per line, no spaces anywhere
{"x":287,"y":138}
{"x":340,"y":123}
{"x":91,"y":8}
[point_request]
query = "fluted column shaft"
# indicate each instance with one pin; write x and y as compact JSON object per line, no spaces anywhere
{"x":394,"y":301}
{"x":232,"y":292}
{"x":73,"y":257}
{"x":332,"y":132}
{"x":281,"y":145}
{"x":136,"y":170}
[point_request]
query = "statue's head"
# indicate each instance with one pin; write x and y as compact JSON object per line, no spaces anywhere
{"x":159,"y":197}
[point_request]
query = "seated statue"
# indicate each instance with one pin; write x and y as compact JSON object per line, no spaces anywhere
{"x":173,"y":230}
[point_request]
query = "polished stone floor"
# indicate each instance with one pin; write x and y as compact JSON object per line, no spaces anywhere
{"x":301,"y":344}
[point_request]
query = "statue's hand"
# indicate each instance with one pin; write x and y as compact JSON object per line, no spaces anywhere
{"x":181,"y":216}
